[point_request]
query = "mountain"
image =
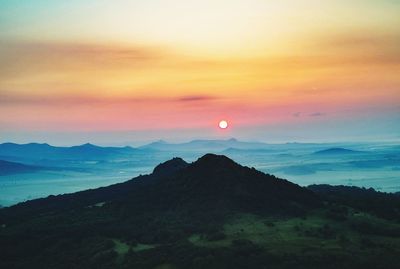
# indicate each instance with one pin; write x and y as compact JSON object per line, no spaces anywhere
{"x":204,"y":145}
{"x":170,"y":167}
{"x":248,"y":151}
{"x":215,"y":183}
{"x":23,"y":150}
{"x":36,"y":151}
{"x":212,"y":180}
{"x":9,"y":168}
{"x":336,"y":151}
{"x":233,"y":146}
{"x":212,"y":213}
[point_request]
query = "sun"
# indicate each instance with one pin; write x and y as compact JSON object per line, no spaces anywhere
{"x":223,"y":124}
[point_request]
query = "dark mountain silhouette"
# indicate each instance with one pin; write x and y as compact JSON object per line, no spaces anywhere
{"x":217,"y":180}
{"x":212,"y":213}
{"x":170,"y":167}
{"x":215,"y":185}
{"x":9,"y":168}
{"x":213,"y":182}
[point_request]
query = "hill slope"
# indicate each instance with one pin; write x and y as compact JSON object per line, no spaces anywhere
{"x":213,"y":213}
{"x":212,"y":181}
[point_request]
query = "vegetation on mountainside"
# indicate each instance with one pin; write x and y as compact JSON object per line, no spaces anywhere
{"x":212,"y":213}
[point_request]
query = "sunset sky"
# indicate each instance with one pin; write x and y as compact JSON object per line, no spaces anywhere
{"x":115,"y":72}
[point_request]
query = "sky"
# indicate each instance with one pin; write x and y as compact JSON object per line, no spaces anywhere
{"x":126,"y":72}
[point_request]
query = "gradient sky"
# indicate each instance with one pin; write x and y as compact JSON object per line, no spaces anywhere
{"x":115,"y":72}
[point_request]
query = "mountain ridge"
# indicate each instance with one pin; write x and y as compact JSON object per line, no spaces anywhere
{"x":209,"y":179}
{"x":211,"y":213}
{"x":37,"y":151}
{"x":204,"y":145}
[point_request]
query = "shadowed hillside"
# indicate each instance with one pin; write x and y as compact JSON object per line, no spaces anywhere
{"x":212,"y":213}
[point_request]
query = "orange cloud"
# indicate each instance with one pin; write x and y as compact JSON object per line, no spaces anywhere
{"x":84,"y":86}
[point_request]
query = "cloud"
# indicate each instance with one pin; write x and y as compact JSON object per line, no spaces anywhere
{"x":356,"y":39}
{"x":22,"y":58}
{"x":40,"y":100}
{"x":360,"y":47}
{"x":317,"y":114}
{"x":314,"y":114}
{"x":196,"y":98}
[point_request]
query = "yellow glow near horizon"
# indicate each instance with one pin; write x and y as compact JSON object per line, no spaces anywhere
{"x":140,"y":62}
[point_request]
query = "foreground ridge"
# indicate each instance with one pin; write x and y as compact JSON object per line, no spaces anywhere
{"x":211,"y":213}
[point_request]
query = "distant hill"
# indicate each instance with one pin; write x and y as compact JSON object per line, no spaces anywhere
{"x":336,"y":151}
{"x":232,"y":146}
{"x":205,"y":145}
{"x":38,"y":151}
{"x":9,"y":168}
{"x":244,"y":150}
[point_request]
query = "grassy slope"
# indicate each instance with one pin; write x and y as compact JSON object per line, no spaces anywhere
{"x":310,"y":238}
{"x":351,"y":238}
{"x":314,"y":233}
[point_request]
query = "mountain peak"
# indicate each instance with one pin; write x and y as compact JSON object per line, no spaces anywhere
{"x":88,"y":145}
{"x":211,"y":162}
{"x":169,"y":167}
{"x":217,"y":181}
{"x":214,"y":159}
